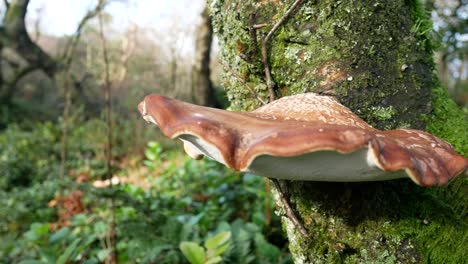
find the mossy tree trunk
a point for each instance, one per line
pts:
(376, 58)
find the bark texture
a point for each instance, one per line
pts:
(376, 58)
(14, 35)
(202, 87)
(15, 38)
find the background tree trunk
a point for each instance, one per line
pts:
(376, 58)
(14, 35)
(202, 87)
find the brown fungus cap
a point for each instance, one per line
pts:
(305, 137)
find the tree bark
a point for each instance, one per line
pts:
(202, 87)
(14, 35)
(173, 69)
(376, 58)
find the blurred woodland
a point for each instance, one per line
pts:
(83, 179)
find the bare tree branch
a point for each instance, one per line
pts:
(67, 83)
(73, 42)
(288, 209)
(270, 83)
(37, 24)
(112, 243)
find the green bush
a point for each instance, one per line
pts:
(183, 200)
(27, 157)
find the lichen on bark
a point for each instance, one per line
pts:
(375, 57)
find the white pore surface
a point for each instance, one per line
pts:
(204, 147)
(327, 166)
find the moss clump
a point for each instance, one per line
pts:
(232, 26)
(383, 113)
(383, 222)
(445, 238)
(447, 120)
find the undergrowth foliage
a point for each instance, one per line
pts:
(176, 201)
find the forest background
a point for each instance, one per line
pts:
(84, 180)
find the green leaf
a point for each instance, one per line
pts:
(154, 144)
(91, 261)
(86, 243)
(259, 218)
(59, 235)
(218, 240)
(151, 155)
(193, 252)
(80, 219)
(195, 219)
(68, 251)
(149, 164)
(36, 231)
(220, 250)
(31, 261)
(102, 254)
(265, 249)
(214, 260)
(100, 229)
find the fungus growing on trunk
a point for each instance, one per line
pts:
(305, 137)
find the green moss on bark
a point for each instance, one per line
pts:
(357, 51)
(447, 120)
(376, 58)
(393, 222)
(371, 56)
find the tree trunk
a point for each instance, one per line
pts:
(202, 88)
(14, 35)
(376, 58)
(173, 70)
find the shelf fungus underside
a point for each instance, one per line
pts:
(305, 137)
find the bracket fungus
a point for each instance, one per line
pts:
(305, 137)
